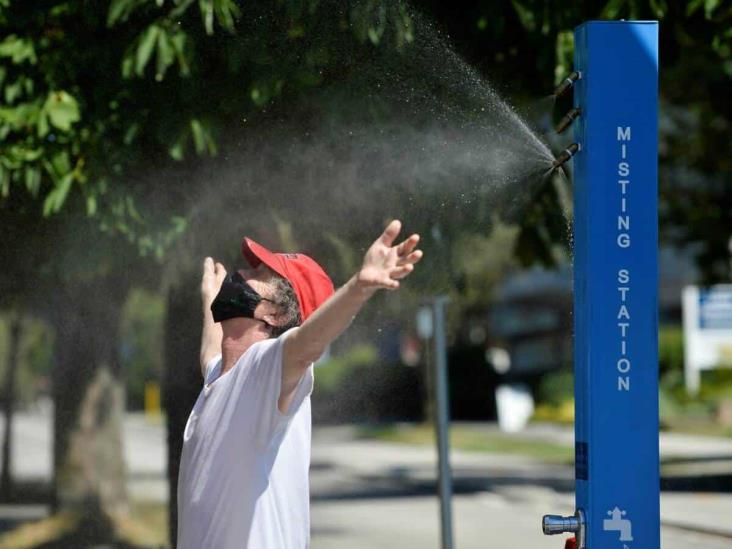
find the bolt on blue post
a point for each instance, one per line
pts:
(616, 283)
(615, 287)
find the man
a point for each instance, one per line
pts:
(243, 478)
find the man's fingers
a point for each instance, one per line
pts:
(408, 245)
(208, 264)
(392, 285)
(412, 258)
(401, 272)
(220, 269)
(391, 232)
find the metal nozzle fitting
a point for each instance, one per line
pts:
(566, 154)
(567, 83)
(557, 524)
(567, 120)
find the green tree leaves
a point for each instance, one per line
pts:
(144, 48)
(25, 156)
(198, 132)
(372, 20)
(564, 55)
(81, 110)
(18, 50)
(226, 12)
(60, 110)
(121, 10)
(167, 44)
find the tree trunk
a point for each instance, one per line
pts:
(89, 469)
(6, 480)
(182, 379)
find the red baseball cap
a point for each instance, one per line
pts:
(312, 286)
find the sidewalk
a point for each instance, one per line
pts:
(357, 484)
(671, 445)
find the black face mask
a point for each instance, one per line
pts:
(236, 299)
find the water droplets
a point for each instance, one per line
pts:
(424, 136)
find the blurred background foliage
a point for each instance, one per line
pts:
(35, 358)
(142, 339)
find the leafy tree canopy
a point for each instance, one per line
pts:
(92, 95)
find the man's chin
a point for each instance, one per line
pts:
(241, 326)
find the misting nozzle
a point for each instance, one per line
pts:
(567, 120)
(567, 83)
(566, 154)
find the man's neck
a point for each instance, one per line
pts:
(231, 352)
(239, 335)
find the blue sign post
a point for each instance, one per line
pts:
(615, 286)
(615, 283)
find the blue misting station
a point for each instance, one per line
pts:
(615, 122)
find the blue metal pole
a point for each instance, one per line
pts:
(615, 283)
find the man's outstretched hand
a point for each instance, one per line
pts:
(386, 263)
(212, 334)
(213, 277)
(383, 266)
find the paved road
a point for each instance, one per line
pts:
(481, 521)
(368, 494)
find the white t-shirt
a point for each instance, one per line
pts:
(243, 480)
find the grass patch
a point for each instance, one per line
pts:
(472, 438)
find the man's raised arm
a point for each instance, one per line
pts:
(212, 333)
(383, 266)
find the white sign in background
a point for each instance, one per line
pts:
(707, 331)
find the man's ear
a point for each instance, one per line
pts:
(273, 315)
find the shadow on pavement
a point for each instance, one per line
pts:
(401, 481)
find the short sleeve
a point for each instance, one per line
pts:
(262, 390)
(210, 365)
